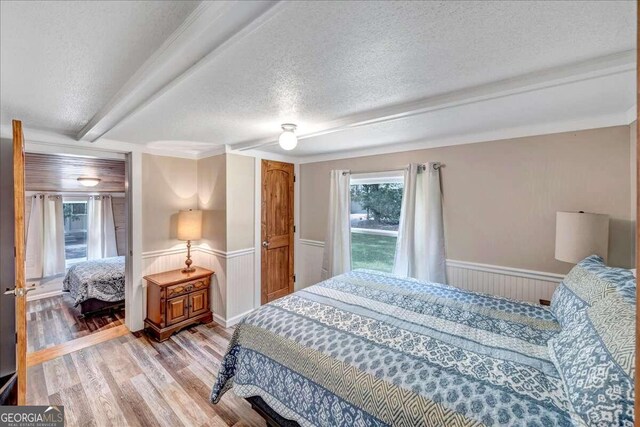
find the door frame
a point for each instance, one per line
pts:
(258, 157)
(19, 259)
(134, 291)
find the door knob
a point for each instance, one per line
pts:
(19, 292)
(265, 244)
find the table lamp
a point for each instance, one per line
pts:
(189, 228)
(580, 234)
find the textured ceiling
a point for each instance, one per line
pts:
(313, 63)
(531, 112)
(61, 61)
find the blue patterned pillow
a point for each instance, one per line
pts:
(587, 283)
(595, 357)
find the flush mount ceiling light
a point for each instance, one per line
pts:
(88, 181)
(288, 139)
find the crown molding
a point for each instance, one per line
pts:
(49, 142)
(223, 149)
(632, 114)
(266, 155)
(209, 30)
(585, 70)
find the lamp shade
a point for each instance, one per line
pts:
(580, 234)
(190, 225)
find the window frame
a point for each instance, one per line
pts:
(368, 178)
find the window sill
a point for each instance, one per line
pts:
(374, 232)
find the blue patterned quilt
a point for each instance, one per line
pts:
(371, 349)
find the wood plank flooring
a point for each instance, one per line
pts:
(135, 381)
(52, 321)
(49, 353)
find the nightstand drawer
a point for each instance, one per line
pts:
(185, 288)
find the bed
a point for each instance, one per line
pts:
(369, 348)
(97, 284)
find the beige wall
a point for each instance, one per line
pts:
(169, 184)
(240, 202)
(221, 186)
(500, 197)
(212, 193)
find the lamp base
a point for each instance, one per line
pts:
(188, 262)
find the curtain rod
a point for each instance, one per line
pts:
(421, 167)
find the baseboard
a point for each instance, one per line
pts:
(227, 323)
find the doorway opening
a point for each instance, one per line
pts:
(76, 245)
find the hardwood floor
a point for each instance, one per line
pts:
(52, 321)
(49, 353)
(135, 381)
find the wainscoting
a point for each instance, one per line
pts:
(523, 285)
(519, 284)
(232, 286)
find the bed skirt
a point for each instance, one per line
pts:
(92, 305)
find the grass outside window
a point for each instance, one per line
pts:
(373, 252)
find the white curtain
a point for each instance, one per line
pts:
(337, 243)
(420, 251)
(101, 231)
(35, 238)
(53, 241)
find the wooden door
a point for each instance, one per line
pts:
(198, 302)
(9, 350)
(177, 309)
(277, 230)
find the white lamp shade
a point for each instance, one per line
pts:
(288, 140)
(190, 225)
(580, 234)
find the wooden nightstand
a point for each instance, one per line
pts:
(176, 300)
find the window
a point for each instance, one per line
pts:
(75, 230)
(376, 201)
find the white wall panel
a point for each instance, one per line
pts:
(519, 284)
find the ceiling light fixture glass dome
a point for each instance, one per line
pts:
(288, 139)
(88, 181)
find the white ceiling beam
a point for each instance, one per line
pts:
(545, 128)
(210, 28)
(597, 67)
